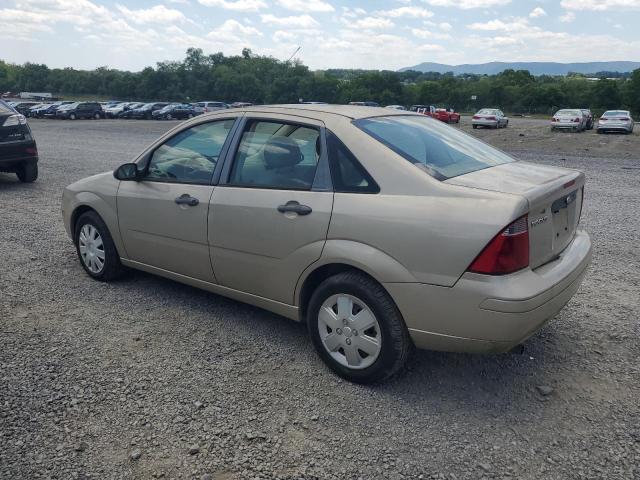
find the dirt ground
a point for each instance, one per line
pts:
(147, 378)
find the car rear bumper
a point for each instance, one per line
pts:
(566, 125)
(485, 314)
(484, 123)
(615, 126)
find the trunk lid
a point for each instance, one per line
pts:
(555, 202)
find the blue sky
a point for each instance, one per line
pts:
(132, 34)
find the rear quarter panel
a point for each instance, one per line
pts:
(431, 229)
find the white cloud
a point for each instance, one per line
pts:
(156, 14)
(353, 12)
(538, 12)
(236, 5)
(411, 12)
(600, 5)
(306, 5)
(427, 34)
(467, 4)
(283, 37)
(300, 21)
(445, 26)
(233, 28)
(371, 23)
(498, 25)
(568, 17)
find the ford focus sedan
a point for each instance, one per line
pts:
(381, 230)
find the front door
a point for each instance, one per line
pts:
(163, 217)
(268, 220)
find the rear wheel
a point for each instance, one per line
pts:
(96, 116)
(96, 250)
(357, 329)
(72, 116)
(28, 172)
(475, 126)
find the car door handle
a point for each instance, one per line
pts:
(293, 206)
(186, 199)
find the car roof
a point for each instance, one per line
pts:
(319, 111)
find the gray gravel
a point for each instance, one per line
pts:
(147, 378)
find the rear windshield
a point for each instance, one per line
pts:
(488, 111)
(615, 113)
(444, 152)
(569, 112)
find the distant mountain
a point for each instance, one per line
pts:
(535, 68)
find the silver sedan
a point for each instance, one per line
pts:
(616, 121)
(489, 118)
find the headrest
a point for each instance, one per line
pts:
(281, 152)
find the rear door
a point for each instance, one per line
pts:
(270, 213)
(163, 217)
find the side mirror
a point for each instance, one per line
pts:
(127, 171)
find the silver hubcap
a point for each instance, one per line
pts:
(91, 248)
(349, 331)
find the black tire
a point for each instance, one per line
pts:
(112, 268)
(599, 131)
(28, 172)
(97, 116)
(72, 116)
(396, 344)
(475, 126)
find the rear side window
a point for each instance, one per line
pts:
(347, 174)
(441, 151)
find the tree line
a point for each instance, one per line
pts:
(264, 80)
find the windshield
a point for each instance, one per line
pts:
(442, 151)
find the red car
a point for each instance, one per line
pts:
(447, 115)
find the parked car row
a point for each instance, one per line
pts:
(116, 109)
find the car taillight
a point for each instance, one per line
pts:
(554, 119)
(31, 151)
(602, 119)
(13, 120)
(624, 119)
(491, 118)
(576, 119)
(475, 117)
(507, 252)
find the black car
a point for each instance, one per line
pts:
(18, 150)
(146, 111)
(24, 107)
(81, 110)
(175, 111)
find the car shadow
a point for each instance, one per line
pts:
(492, 382)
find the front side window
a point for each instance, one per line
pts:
(191, 155)
(276, 155)
(443, 152)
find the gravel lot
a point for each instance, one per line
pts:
(147, 378)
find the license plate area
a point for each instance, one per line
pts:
(563, 212)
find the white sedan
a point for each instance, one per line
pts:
(616, 120)
(490, 118)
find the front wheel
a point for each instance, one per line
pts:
(72, 116)
(357, 329)
(96, 250)
(97, 116)
(28, 173)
